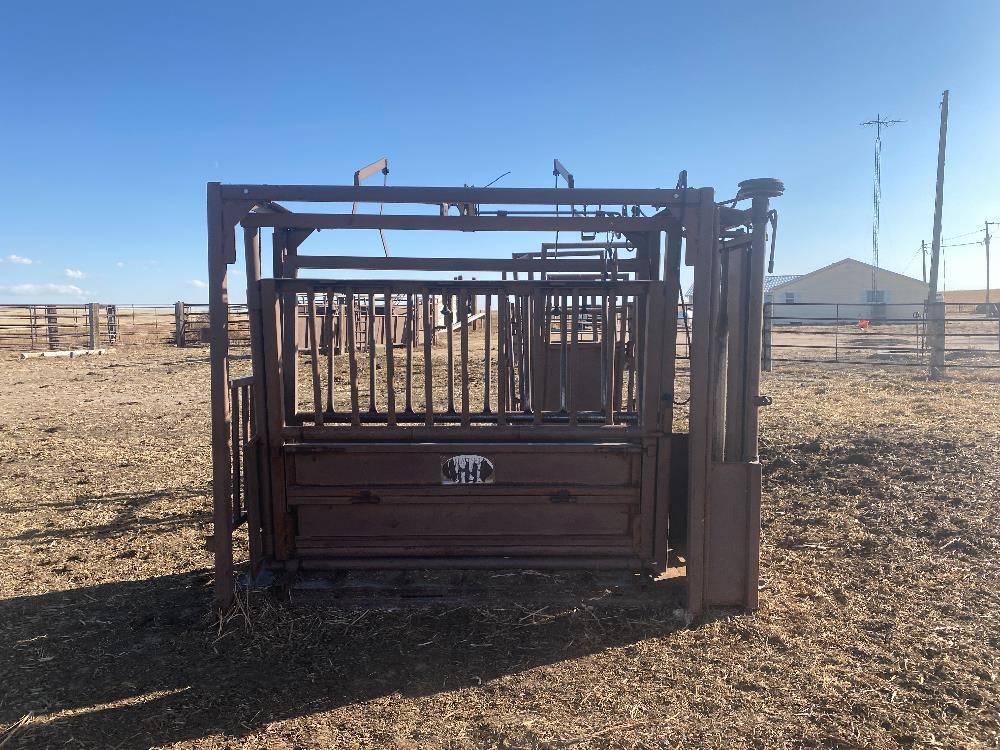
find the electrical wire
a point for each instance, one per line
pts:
(957, 236)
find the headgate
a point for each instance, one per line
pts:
(523, 419)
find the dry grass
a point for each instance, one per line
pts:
(878, 626)
(970, 296)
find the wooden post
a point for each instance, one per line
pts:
(94, 325)
(935, 310)
(180, 320)
(766, 360)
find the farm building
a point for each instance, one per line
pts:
(843, 291)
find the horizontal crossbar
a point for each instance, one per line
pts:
(458, 223)
(460, 195)
(525, 265)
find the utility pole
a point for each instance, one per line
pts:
(935, 309)
(923, 254)
(879, 123)
(986, 241)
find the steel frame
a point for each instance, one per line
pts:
(723, 497)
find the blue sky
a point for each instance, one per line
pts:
(117, 114)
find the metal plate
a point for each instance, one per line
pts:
(467, 468)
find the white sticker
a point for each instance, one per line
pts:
(467, 469)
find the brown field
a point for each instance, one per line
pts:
(879, 625)
(971, 295)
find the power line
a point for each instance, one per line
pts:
(966, 234)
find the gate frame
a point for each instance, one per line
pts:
(723, 536)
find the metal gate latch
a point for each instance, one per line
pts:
(764, 401)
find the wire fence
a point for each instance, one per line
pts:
(891, 335)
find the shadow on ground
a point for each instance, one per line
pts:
(141, 663)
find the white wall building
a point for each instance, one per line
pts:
(843, 290)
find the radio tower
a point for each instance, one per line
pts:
(879, 122)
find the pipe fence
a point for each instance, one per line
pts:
(32, 328)
(946, 335)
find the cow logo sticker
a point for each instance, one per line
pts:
(467, 469)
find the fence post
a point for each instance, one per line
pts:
(94, 325)
(180, 314)
(936, 336)
(52, 324)
(766, 348)
(836, 334)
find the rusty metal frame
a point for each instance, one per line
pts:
(724, 484)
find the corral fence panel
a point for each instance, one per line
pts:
(894, 335)
(71, 327)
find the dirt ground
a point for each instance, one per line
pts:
(879, 625)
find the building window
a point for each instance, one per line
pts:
(876, 296)
(791, 298)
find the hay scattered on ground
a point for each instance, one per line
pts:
(878, 627)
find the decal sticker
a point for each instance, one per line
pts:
(467, 469)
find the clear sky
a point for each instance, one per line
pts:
(115, 115)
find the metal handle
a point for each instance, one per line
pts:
(366, 497)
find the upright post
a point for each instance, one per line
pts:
(218, 309)
(986, 242)
(935, 309)
(179, 323)
(836, 334)
(52, 325)
(766, 346)
(93, 325)
(923, 255)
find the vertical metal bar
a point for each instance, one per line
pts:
(218, 296)
(449, 317)
(289, 334)
(610, 306)
(572, 358)
(390, 384)
(538, 352)
(372, 408)
(836, 334)
(630, 321)
(428, 364)
(259, 497)
(352, 358)
(272, 419)
(234, 401)
(563, 353)
(766, 356)
(330, 363)
(642, 315)
(525, 353)
(465, 303)
(317, 384)
(487, 357)
(620, 352)
(409, 331)
(736, 280)
(503, 345)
